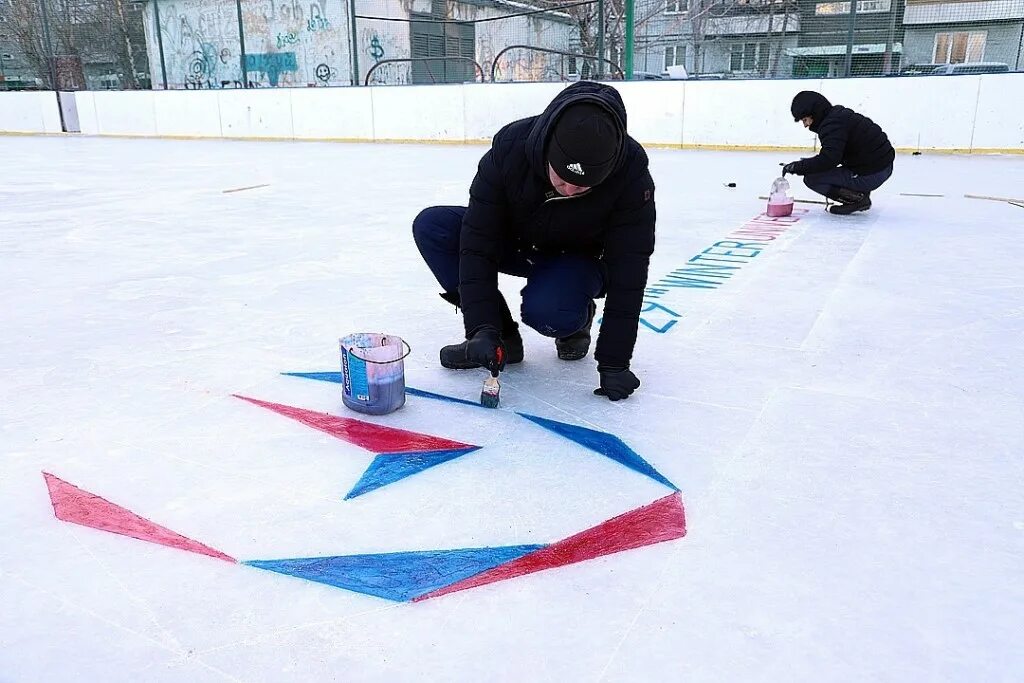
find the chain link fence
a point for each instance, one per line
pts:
(72, 45)
(711, 39)
(215, 44)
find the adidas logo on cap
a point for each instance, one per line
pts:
(576, 168)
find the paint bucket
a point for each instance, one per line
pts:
(779, 201)
(373, 372)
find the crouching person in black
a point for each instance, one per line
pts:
(565, 200)
(855, 158)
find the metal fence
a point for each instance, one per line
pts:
(213, 44)
(56, 44)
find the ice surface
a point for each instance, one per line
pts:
(844, 417)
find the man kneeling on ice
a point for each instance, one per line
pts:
(855, 156)
(565, 200)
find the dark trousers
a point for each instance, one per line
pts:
(559, 289)
(828, 182)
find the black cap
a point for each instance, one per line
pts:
(584, 144)
(810, 103)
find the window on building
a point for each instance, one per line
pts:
(675, 55)
(959, 47)
(573, 69)
(109, 82)
(863, 7)
(748, 57)
(675, 6)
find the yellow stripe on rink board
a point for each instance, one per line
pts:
(485, 141)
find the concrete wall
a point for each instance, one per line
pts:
(978, 113)
(390, 40)
(290, 43)
(307, 42)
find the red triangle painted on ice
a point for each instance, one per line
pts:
(662, 520)
(72, 504)
(372, 437)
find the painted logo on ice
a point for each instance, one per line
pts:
(421, 574)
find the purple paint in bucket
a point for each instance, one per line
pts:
(373, 372)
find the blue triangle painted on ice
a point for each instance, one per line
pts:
(387, 468)
(396, 576)
(322, 376)
(441, 397)
(607, 445)
(412, 391)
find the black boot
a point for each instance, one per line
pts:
(850, 201)
(576, 345)
(453, 356)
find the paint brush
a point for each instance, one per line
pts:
(490, 395)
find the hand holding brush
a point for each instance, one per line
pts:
(485, 348)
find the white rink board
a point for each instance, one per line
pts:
(999, 123)
(744, 113)
(933, 113)
(29, 112)
(334, 113)
(189, 114)
(125, 113)
(654, 114)
(263, 114)
(979, 112)
(490, 106)
(419, 112)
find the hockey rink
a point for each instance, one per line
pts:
(820, 478)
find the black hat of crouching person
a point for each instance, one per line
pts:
(584, 144)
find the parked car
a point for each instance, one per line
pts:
(648, 76)
(971, 68)
(675, 73)
(919, 69)
(710, 77)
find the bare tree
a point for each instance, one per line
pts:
(126, 51)
(706, 20)
(25, 19)
(59, 37)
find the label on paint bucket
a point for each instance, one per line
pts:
(356, 382)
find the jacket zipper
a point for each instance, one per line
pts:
(561, 198)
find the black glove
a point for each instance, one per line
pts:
(486, 349)
(790, 168)
(616, 383)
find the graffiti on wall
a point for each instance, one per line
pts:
(325, 74)
(311, 36)
(200, 44)
(376, 49)
(286, 39)
(287, 43)
(315, 24)
(270, 66)
(379, 41)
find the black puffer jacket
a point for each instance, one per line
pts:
(847, 138)
(512, 207)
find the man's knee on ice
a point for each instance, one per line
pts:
(545, 316)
